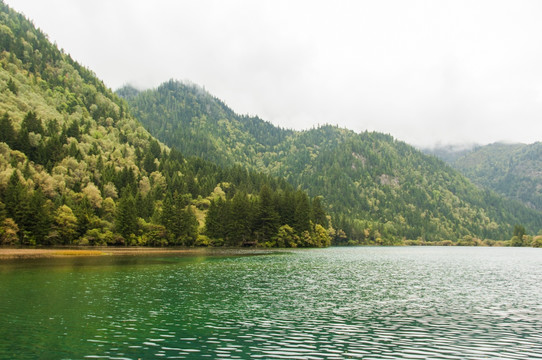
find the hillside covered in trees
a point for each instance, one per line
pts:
(512, 170)
(378, 190)
(76, 168)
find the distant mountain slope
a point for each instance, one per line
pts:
(513, 170)
(236, 139)
(379, 189)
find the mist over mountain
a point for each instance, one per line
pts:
(449, 153)
(394, 67)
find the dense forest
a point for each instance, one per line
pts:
(378, 190)
(512, 170)
(77, 169)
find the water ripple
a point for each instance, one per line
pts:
(356, 303)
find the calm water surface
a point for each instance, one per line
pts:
(337, 303)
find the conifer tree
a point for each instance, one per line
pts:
(126, 220)
(23, 142)
(168, 218)
(148, 163)
(73, 130)
(154, 149)
(7, 132)
(214, 227)
(302, 212)
(267, 218)
(239, 227)
(318, 215)
(31, 123)
(17, 202)
(287, 207)
(84, 213)
(12, 87)
(2, 211)
(40, 216)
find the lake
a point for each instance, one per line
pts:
(336, 303)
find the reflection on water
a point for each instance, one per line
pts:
(339, 303)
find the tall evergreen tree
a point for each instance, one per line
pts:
(239, 225)
(17, 203)
(318, 215)
(3, 212)
(267, 218)
(302, 212)
(7, 132)
(40, 215)
(148, 163)
(214, 221)
(169, 218)
(84, 213)
(12, 86)
(287, 207)
(126, 219)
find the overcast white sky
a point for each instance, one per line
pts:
(425, 72)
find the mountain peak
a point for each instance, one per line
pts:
(377, 187)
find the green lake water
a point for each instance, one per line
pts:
(336, 303)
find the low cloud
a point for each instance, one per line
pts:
(426, 72)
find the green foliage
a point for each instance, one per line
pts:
(9, 232)
(7, 133)
(242, 220)
(512, 170)
(12, 87)
(184, 115)
(179, 221)
(378, 190)
(286, 237)
(517, 241)
(302, 213)
(69, 148)
(239, 227)
(267, 219)
(519, 231)
(126, 219)
(318, 215)
(65, 225)
(321, 237)
(519, 237)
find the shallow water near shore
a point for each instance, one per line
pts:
(336, 303)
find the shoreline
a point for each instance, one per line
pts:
(40, 253)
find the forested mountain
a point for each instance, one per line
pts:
(378, 189)
(76, 168)
(196, 123)
(513, 170)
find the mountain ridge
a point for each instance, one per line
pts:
(513, 170)
(377, 187)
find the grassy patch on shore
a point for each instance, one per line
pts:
(78, 253)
